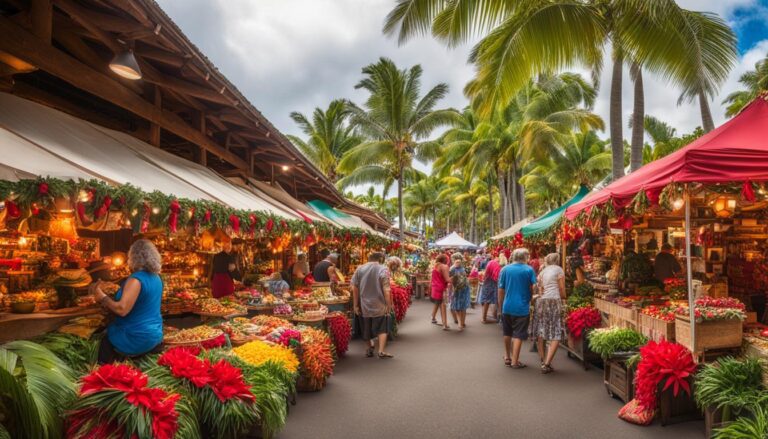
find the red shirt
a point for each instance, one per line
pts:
(492, 270)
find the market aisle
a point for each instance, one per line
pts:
(454, 385)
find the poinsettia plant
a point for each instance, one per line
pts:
(581, 320)
(666, 363)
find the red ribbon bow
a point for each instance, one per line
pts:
(173, 217)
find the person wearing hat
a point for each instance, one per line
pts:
(224, 271)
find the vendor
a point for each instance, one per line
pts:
(299, 270)
(276, 285)
(665, 265)
(224, 271)
(325, 270)
(138, 327)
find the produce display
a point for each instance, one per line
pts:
(222, 307)
(581, 320)
(256, 353)
(311, 312)
(282, 310)
(287, 337)
(707, 308)
(676, 288)
(194, 335)
(606, 342)
(666, 313)
(340, 330)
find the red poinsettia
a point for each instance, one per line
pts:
(217, 342)
(229, 383)
(582, 319)
(663, 362)
(183, 363)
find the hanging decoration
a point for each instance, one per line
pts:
(173, 217)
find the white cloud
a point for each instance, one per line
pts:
(295, 55)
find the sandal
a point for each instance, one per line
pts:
(446, 328)
(434, 321)
(518, 365)
(369, 352)
(384, 355)
(546, 368)
(508, 362)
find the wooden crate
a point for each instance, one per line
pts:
(681, 408)
(618, 316)
(713, 334)
(655, 329)
(619, 379)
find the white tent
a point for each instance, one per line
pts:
(454, 241)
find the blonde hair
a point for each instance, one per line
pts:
(552, 259)
(143, 256)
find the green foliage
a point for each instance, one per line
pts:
(575, 301)
(730, 385)
(754, 81)
(35, 386)
(584, 290)
(78, 353)
(609, 341)
(752, 427)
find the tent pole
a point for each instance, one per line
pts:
(689, 274)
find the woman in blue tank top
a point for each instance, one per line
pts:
(138, 326)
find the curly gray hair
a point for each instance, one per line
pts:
(143, 256)
(520, 255)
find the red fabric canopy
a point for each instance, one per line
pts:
(736, 151)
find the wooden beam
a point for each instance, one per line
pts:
(133, 10)
(159, 55)
(236, 118)
(154, 128)
(82, 17)
(185, 87)
(41, 18)
(21, 43)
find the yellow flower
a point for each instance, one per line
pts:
(257, 353)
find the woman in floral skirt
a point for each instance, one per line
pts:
(461, 294)
(547, 322)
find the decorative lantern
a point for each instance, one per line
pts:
(724, 206)
(63, 226)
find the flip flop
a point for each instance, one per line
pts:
(385, 355)
(545, 369)
(434, 322)
(446, 328)
(519, 365)
(508, 362)
(369, 352)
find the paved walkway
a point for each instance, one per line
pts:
(454, 385)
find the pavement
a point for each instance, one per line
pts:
(454, 385)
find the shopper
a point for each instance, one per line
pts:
(373, 302)
(665, 264)
(490, 287)
(224, 271)
(516, 283)
(299, 270)
(277, 286)
(137, 328)
(439, 287)
(460, 297)
(547, 321)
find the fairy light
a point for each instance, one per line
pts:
(83, 197)
(155, 210)
(134, 212)
(22, 241)
(677, 204)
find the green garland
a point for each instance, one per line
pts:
(202, 214)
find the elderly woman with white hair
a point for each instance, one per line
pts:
(547, 322)
(138, 326)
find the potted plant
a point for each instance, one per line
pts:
(617, 346)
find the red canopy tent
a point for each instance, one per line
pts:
(736, 151)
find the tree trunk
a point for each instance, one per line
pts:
(513, 195)
(706, 114)
(638, 115)
(510, 199)
(473, 223)
(490, 205)
(400, 204)
(617, 137)
(521, 193)
(503, 200)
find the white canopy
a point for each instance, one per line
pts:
(454, 241)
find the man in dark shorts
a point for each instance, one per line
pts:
(373, 302)
(516, 283)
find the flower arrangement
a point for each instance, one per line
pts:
(217, 342)
(666, 362)
(708, 308)
(282, 310)
(581, 320)
(317, 360)
(723, 302)
(400, 298)
(676, 288)
(224, 402)
(257, 353)
(340, 330)
(287, 337)
(116, 401)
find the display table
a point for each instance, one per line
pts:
(26, 326)
(617, 315)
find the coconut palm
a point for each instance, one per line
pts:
(529, 37)
(329, 136)
(397, 122)
(35, 387)
(420, 202)
(755, 81)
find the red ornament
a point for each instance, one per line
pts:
(104, 208)
(13, 209)
(207, 216)
(283, 224)
(173, 217)
(42, 189)
(80, 214)
(234, 221)
(270, 225)
(254, 220)
(747, 193)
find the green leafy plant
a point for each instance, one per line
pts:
(753, 427)
(584, 290)
(35, 386)
(574, 302)
(608, 341)
(730, 385)
(79, 354)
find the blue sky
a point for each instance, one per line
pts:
(750, 22)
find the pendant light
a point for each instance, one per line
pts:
(125, 65)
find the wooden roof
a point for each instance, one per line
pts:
(57, 52)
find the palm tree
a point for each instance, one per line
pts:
(755, 81)
(529, 37)
(397, 122)
(665, 140)
(420, 202)
(462, 191)
(329, 136)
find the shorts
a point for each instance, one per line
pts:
(515, 326)
(375, 326)
(436, 301)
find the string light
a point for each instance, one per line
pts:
(22, 241)
(155, 210)
(134, 212)
(83, 197)
(677, 204)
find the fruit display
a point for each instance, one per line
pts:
(677, 289)
(322, 293)
(708, 308)
(311, 312)
(288, 337)
(258, 352)
(240, 328)
(665, 313)
(194, 335)
(282, 310)
(222, 307)
(84, 326)
(72, 278)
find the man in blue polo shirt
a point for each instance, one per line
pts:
(516, 283)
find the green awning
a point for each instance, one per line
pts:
(545, 222)
(326, 210)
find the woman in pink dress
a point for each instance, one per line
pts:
(440, 283)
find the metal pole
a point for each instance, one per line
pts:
(689, 274)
